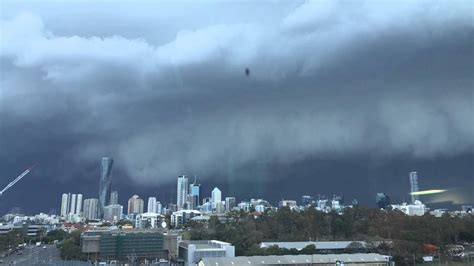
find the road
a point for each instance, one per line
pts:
(33, 255)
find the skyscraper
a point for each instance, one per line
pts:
(113, 197)
(413, 186)
(72, 207)
(90, 209)
(79, 204)
(104, 185)
(64, 204)
(182, 192)
(195, 191)
(135, 205)
(216, 195)
(151, 207)
(229, 203)
(113, 212)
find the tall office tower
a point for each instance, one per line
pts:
(216, 195)
(182, 191)
(113, 197)
(413, 186)
(135, 205)
(105, 183)
(64, 204)
(113, 213)
(191, 202)
(382, 200)
(229, 203)
(78, 204)
(151, 207)
(195, 191)
(90, 209)
(72, 207)
(159, 207)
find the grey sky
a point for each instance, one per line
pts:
(160, 86)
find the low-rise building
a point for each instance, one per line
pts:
(364, 259)
(416, 209)
(191, 252)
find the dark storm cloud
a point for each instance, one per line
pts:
(334, 79)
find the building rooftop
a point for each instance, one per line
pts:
(204, 244)
(296, 259)
(319, 244)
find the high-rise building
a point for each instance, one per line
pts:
(135, 205)
(190, 202)
(105, 184)
(72, 207)
(90, 209)
(382, 200)
(159, 207)
(182, 192)
(64, 205)
(229, 203)
(151, 207)
(216, 195)
(413, 186)
(78, 204)
(114, 212)
(113, 197)
(195, 191)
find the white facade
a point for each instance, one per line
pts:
(416, 209)
(64, 204)
(72, 208)
(151, 207)
(216, 195)
(159, 207)
(182, 192)
(193, 251)
(79, 204)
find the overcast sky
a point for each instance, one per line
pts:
(342, 96)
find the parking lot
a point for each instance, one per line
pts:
(30, 255)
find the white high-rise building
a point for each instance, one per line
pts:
(413, 186)
(182, 192)
(151, 207)
(79, 204)
(229, 203)
(90, 209)
(72, 208)
(64, 205)
(159, 207)
(216, 195)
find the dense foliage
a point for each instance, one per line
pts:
(70, 247)
(406, 234)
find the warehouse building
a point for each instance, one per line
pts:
(370, 259)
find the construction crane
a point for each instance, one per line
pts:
(27, 171)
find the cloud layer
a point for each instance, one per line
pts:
(327, 78)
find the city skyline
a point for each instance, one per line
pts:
(314, 97)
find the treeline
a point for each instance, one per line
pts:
(407, 234)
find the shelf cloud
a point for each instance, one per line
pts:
(326, 78)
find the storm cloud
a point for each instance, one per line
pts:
(330, 79)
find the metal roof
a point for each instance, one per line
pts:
(295, 259)
(319, 244)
